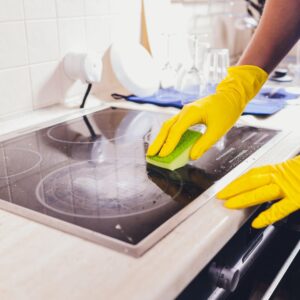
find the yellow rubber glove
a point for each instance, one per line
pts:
(267, 183)
(218, 112)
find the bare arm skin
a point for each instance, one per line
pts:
(277, 32)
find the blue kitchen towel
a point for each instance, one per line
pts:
(279, 94)
(268, 101)
(263, 107)
(262, 104)
(174, 98)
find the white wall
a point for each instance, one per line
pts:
(216, 20)
(35, 35)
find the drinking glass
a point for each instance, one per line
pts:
(203, 51)
(217, 64)
(169, 70)
(192, 82)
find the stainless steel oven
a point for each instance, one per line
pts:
(254, 264)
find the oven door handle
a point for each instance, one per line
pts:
(253, 251)
(227, 279)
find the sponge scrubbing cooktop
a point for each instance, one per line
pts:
(180, 155)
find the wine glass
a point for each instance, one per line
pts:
(169, 71)
(189, 82)
(192, 82)
(217, 64)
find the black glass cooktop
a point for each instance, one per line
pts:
(91, 172)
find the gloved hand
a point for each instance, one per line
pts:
(267, 183)
(218, 112)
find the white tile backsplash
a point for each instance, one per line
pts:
(97, 33)
(119, 6)
(15, 90)
(13, 49)
(96, 7)
(72, 35)
(35, 35)
(46, 84)
(11, 10)
(70, 8)
(125, 23)
(43, 44)
(39, 9)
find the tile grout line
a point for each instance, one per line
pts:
(85, 26)
(28, 58)
(10, 21)
(110, 20)
(28, 65)
(60, 53)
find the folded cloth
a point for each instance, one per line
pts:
(265, 103)
(278, 94)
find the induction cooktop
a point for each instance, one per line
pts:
(88, 177)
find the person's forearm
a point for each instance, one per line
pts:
(278, 31)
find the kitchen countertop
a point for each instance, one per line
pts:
(38, 262)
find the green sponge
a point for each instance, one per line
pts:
(180, 155)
